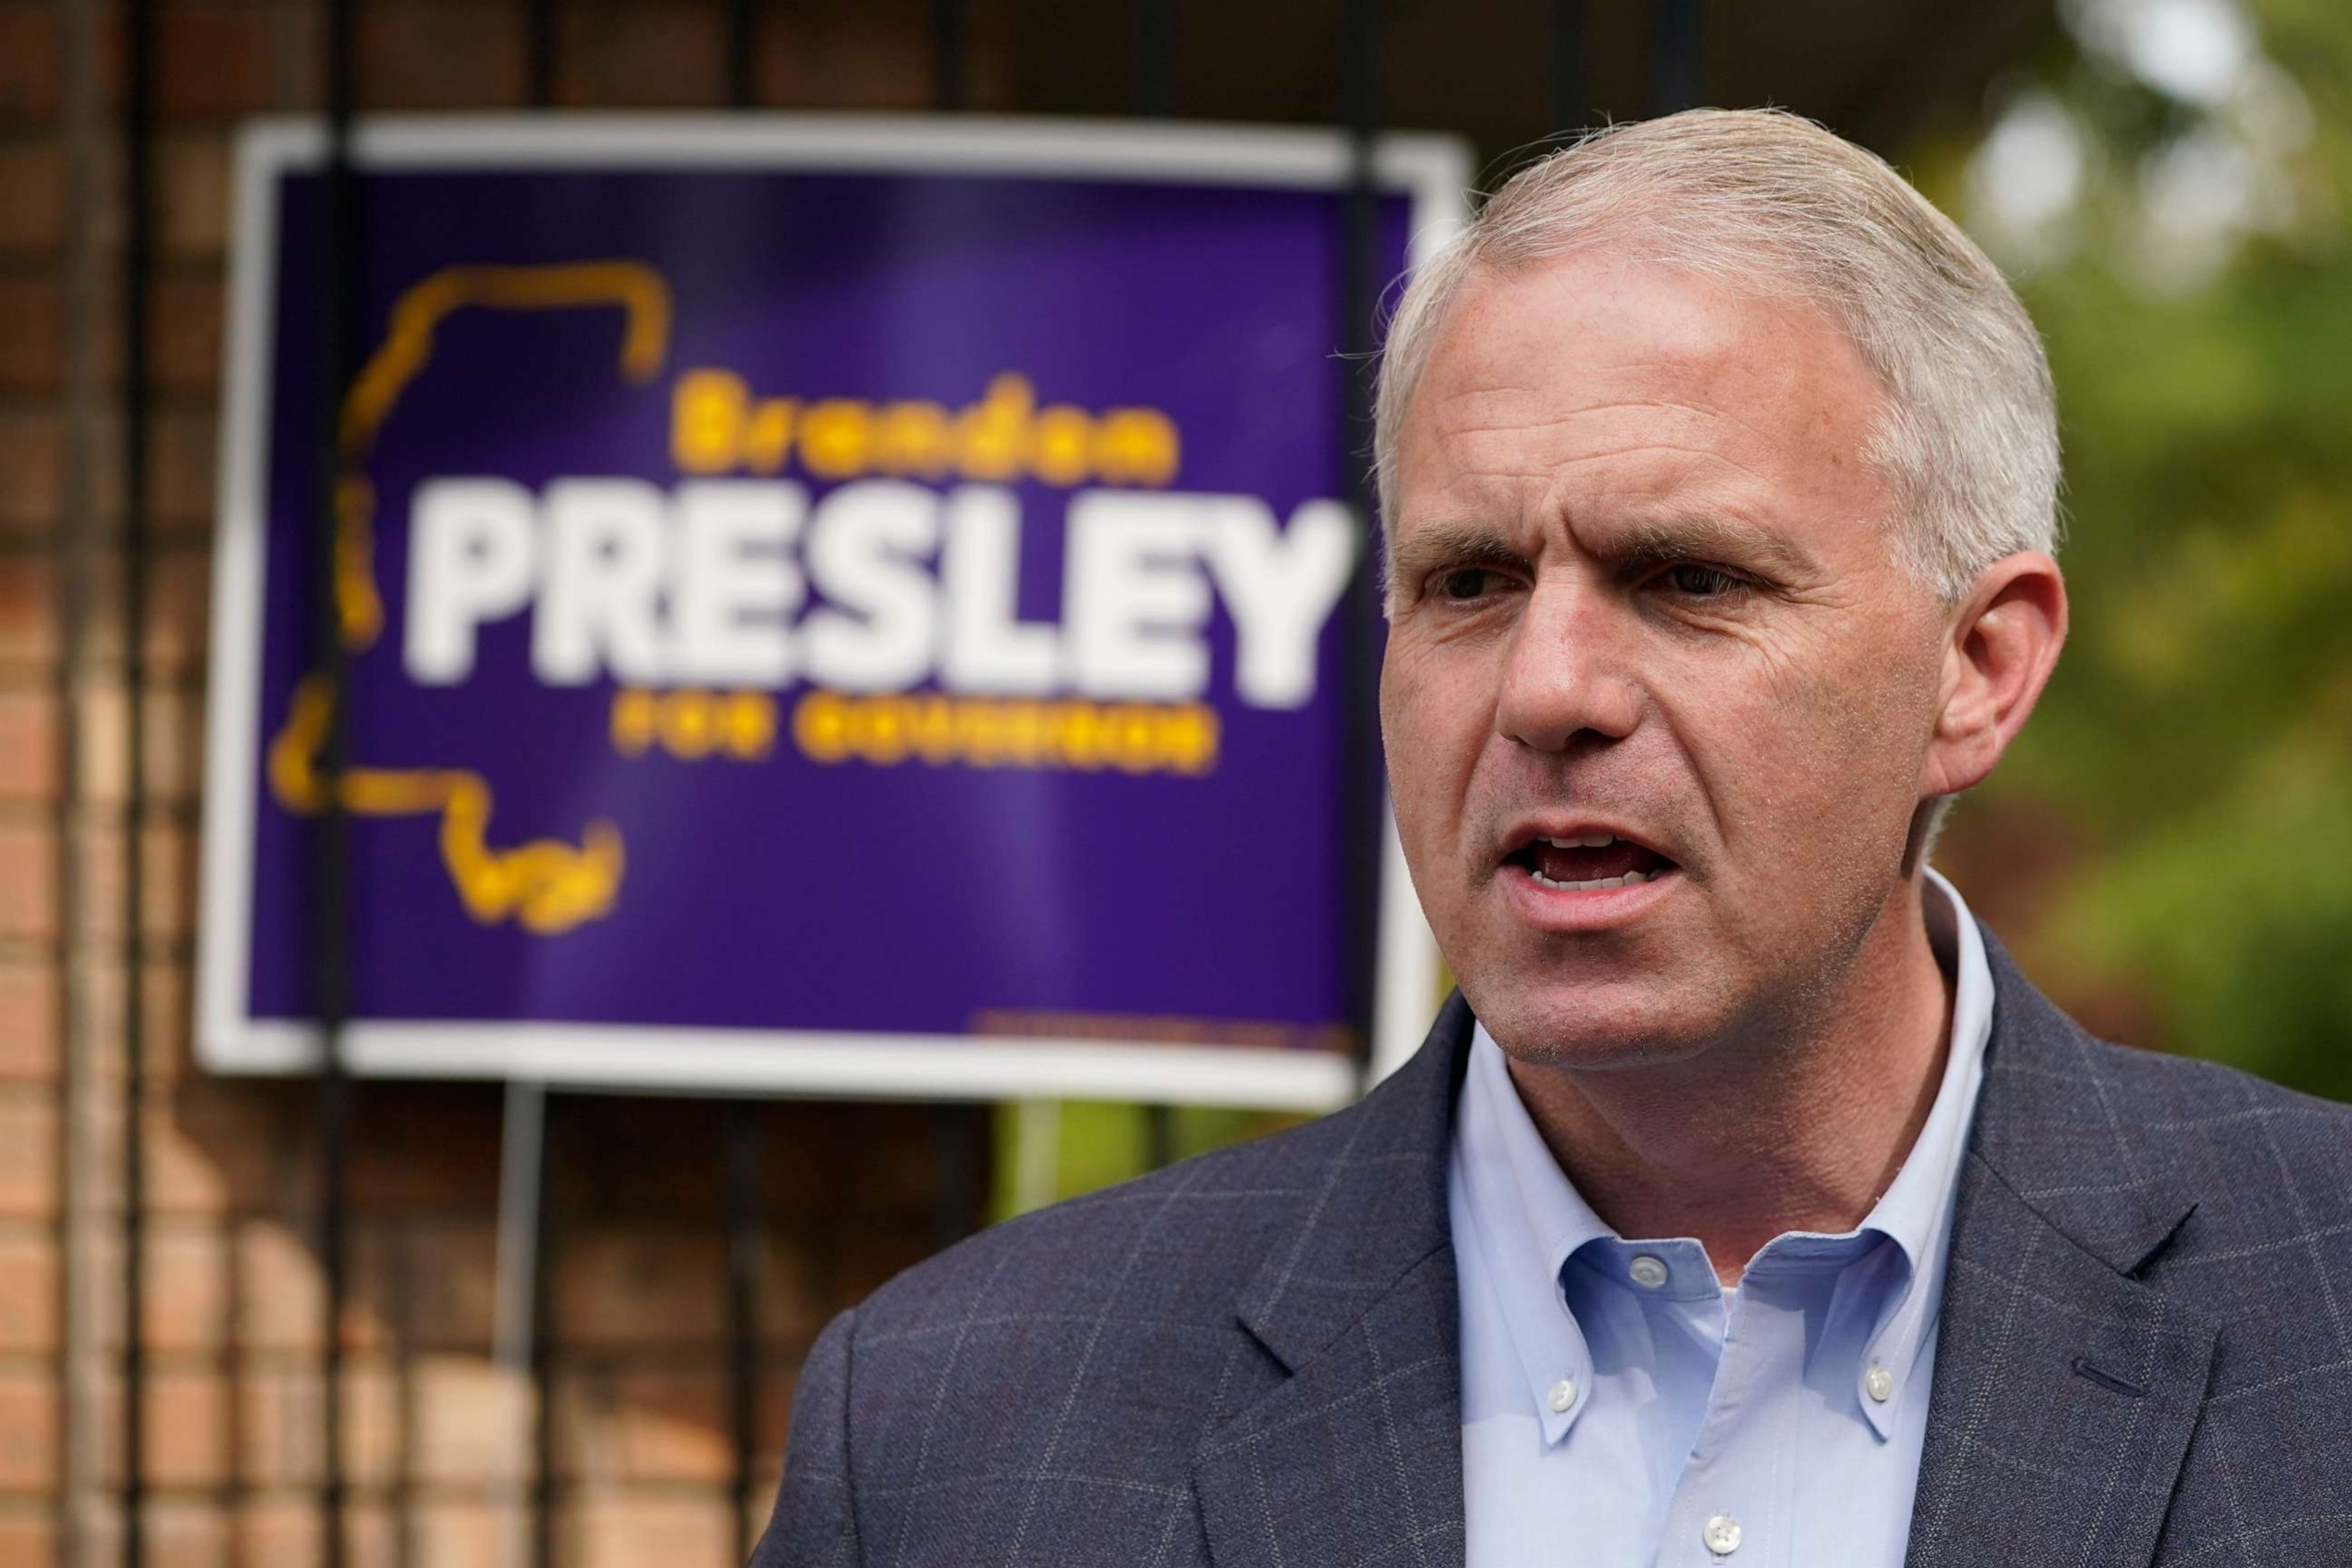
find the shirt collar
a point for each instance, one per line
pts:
(1530, 1217)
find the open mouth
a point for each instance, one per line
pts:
(1589, 863)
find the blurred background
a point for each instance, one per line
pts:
(2168, 850)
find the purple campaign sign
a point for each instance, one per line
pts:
(846, 606)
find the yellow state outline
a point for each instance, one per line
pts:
(548, 885)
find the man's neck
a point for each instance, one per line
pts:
(1800, 1129)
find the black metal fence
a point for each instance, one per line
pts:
(1672, 30)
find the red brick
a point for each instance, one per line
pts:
(452, 1285)
(167, 890)
(28, 1431)
(473, 1420)
(193, 185)
(28, 882)
(170, 722)
(643, 56)
(32, 219)
(859, 60)
(791, 1300)
(29, 1536)
(419, 54)
(459, 1123)
(32, 465)
(184, 342)
(28, 743)
(178, 589)
(28, 1021)
(772, 1427)
(28, 610)
(189, 1533)
(186, 1423)
(28, 1155)
(286, 1533)
(281, 1291)
(639, 1424)
(609, 1531)
(213, 61)
(641, 1285)
(183, 455)
(31, 67)
(32, 347)
(460, 1532)
(211, 1147)
(28, 1293)
(279, 1421)
(185, 1304)
(164, 999)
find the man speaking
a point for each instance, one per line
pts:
(1747, 1206)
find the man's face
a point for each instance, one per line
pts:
(1646, 619)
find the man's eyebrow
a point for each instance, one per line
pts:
(1429, 545)
(1705, 537)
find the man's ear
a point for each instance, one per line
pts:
(2003, 644)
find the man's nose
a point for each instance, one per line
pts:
(1567, 671)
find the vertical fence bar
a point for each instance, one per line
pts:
(1359, 64)
(743, 53)
(536, 1325)
(329, 979)
(542, 1350)
(1155, 99)
(746, 1245)
(952, 1125)
(139, 143)
(1155, 58)
(744, 1212)
(1572, 92)
(77, 1085)
(540, 49)
(949, 52)
(1673, 45)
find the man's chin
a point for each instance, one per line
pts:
(1594, 1024)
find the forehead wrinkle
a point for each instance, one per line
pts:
(1475, 434)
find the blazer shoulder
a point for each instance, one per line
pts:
(2262, 1160)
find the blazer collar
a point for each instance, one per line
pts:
(1357, 1455)
(2067, 1387)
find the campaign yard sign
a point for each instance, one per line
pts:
(826, 605)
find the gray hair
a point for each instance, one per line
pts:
(1768, 203)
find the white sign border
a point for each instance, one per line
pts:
(1434, 171)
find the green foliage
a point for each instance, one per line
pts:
(2196, 745)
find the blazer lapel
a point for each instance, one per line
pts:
(1357, 1453)
(2065, 1389)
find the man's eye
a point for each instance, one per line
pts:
(1464, 582)
(1701, 582)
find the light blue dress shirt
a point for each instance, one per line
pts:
(1618, 1406)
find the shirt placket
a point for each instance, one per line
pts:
(1730, 1507)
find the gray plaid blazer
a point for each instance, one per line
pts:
(2145, 1354)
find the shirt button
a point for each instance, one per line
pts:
(1648, 1272)
(1563, 1394)
(1721, 1534)
(1879, 1384)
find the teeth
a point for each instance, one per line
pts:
(1588, 841)
(1630, 879)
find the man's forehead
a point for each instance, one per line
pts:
(1605, 312)
(1657, 386)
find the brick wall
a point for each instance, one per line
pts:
(233, 1321)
